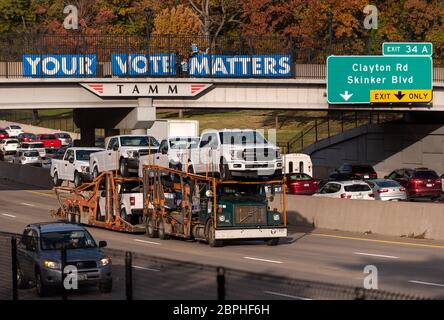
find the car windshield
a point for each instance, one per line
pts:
(242, 190)
(12, 142)
(138, 141)
(31, 153)
(366, 169)
(15, 127)
(387, 184)
(73, 239)
(130, 187)
(62, 135)
(83, 155)
(3, 131)
(184, 143)
(300, 176)
(426, 174)
(48, 137)
(34, 145)
(241, 137)
(357, 188)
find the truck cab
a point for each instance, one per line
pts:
(235, 153)
(122, 153)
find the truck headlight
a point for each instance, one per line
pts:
(132, 153)
(84, 168)
(222, 218)
(276, 217)
(104, 262)
(51, 264)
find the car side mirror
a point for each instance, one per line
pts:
(164, 151)
(115, 147)
(102, 244)
(30, 247)
(71, 160)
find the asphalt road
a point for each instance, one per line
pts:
(408, 266)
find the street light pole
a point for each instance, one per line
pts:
(330, 30)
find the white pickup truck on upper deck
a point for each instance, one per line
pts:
(122, 153)
(232, 153)
(74, 166)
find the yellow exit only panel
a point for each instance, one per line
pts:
(401, 96)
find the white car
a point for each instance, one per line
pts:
(34, 146)
(64, 138)
(9, 146)
(74, 166)
(171, 153)
(30, 157)
(232, 153)
(122, 153)
(355, 189)
(387, 190)
(14, 130)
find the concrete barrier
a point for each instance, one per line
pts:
(403, 219)
(29, 175)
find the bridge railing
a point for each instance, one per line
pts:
(308, 55)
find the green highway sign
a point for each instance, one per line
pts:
(407, 49)
(355, 79)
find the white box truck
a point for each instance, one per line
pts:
(163, 129)
(298, 163)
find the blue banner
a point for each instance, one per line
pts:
(143, 65)
(59, 65)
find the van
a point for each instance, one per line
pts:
(298, 163)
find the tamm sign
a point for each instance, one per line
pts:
(144, 89)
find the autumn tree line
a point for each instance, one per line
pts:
(306, 21)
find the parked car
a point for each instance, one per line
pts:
(34, 146)
(386, 189)
(122, 153)
(26, 137)
(64, 138)
(73, 167)
(242, 153)
(50, 141)
(3, 134)
(301, 183)
(9, 146)
(419, 182)
(31, 157)
(357, 189)
(364, 171)
(13, 130)
(39, 257)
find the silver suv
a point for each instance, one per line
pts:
(39, 257)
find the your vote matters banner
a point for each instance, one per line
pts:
(143, 65)
(59, 65)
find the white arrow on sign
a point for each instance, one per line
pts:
(346, 95)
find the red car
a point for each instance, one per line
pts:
(419, 182)
(26, 137)
(301, 183)
(3, 134)
(50, 141)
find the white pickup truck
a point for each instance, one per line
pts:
(122, 153)
(131, 202)
(230, 153)
(171, 152)
(74, 166)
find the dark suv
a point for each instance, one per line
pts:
(39, 255)
(364, 171)
(419, 182)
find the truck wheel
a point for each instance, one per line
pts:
(272, 241)
(151, 231)
(77, 180)
(161, 231)
(57, 182)
(123, 214)
(106, 286)
(190, 169)
(210, 235)
(123, 168)
(224, 171)
(41, 288)
(95, 173)
(22, 282)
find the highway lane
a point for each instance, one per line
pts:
(405, 265)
